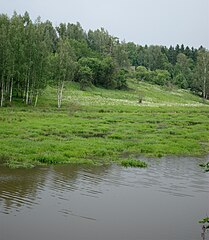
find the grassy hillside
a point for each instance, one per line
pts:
(153, 95)
(100, 126)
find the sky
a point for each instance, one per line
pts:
(151, 22)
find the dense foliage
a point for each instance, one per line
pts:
(36, 54)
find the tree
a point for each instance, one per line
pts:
(103, 71)
(171, 55)
(183, 69)
(6, 58)
(62, 30)
(154, 58)
(42, 46)
(100, 41)
(16, 36)
(142, 73)
(76, 32)
(131, 49)
(182, 48)
(120, 56)
(81, 49)
(84, 77)
(62, 67)
(161, 77)
(140, 51)
(202, 73)
(180, 80)
(120, 79)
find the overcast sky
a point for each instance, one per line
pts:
(158, 22)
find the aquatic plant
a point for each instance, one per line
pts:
(205, 226)
(205, 166)
(133, 163)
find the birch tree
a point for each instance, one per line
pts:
(42, 46)
(63, 67)
(202, 72)
(4, 52)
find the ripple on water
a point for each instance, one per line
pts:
(84, 197)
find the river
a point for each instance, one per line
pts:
(163, 202)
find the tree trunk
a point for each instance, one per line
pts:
(204, 81)
(11, 84)
(2, 90)
(59, 95)
(11, 89)
(36, 100)
(2, 93)
(27, 91)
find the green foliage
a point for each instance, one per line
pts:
(183, 68)
(161, 77)
(180, 81)
(120, 80)
(84, 76)
(100, 72)
(154, 58)
(142, 73)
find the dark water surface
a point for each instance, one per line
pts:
(162, 202)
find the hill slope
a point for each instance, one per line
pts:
(152, 95)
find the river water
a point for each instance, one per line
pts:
(163, 202)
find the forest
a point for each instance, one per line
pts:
(35, 54)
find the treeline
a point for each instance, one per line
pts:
(36, 54)
(180, 66)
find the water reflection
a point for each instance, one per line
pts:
(164, 201)
(20, 188)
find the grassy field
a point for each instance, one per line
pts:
(101, 126)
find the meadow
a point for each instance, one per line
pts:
(100, 126)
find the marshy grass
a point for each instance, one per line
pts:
(110, 128)
(133, 163)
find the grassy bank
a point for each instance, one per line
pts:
(102, 126)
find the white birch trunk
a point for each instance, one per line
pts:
(2, 93)
(59, 95)
(204, 81)
(11, 85)
(11, 89)
(36, 100)
(27, 91)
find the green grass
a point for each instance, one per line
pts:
(101, 126)
(133, 163)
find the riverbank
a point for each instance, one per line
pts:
(103, 126)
